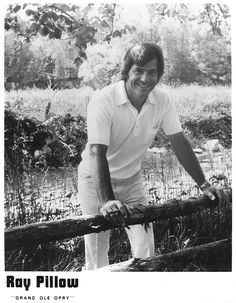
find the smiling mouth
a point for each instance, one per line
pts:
(144, 86)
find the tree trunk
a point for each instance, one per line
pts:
(210, 254)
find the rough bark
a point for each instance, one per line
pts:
(210, 253)
(81, 225)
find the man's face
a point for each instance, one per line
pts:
(142, 79)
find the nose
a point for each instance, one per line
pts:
(144, 77)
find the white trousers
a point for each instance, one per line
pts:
(131, 192)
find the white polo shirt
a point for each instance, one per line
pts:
(113, 121)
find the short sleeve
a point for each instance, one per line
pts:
(99, 120)
(170, 122)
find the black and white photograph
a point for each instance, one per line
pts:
(117, 152)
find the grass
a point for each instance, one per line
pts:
(33, 102)
(170, 235)
(44, 196)
(189, 99)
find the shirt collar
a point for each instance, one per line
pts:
(121, 94)
(122, 97)
(152, 97)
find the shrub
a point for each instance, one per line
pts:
(63, 137)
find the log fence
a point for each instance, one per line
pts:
(214, 252)
(50, 231)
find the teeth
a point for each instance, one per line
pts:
(144, 86)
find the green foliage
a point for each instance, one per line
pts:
(72, 131)
(17, 135)
(57, 143)
(191, 56)
(210, 128)
(23, 65)
(38, 62)
(104, 62)
(196, 43)
(64, 30)
(217, 16)
(213, 57)
(50, 20)
(176, 40)
(200, 129)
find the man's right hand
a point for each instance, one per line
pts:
(116, 212)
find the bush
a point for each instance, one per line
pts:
(210, 128)
(58, 142)
(201, 128)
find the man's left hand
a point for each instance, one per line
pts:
(212, 191)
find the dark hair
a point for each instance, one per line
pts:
(141, 54)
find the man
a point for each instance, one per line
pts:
(123, 120)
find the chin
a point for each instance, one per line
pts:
(145, 91)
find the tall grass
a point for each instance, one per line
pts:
(189, 99)
(196, 101)
(33, 102)
(170, 235)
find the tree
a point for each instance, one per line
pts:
(70, 28)
(213, 57)
(22, 65)
(196, 43)
(177, 47)
(104, 61)
(217, 16)
(51, 20)
(54, 21)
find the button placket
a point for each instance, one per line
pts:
(140, 119)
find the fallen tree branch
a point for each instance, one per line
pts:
(78, 226)
(208, 253)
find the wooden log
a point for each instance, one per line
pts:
(78, 226)
(210, 253)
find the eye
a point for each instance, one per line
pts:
(153, 73)
(138, 71)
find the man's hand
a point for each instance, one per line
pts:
(210, 191)
(116, 212)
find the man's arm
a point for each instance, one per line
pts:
(100, 172)
(187, 157)
(112, 209)
(189, 161)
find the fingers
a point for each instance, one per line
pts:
(221, 196)
(210, 195)
(219, 192)
(115, 217)
(116, 212)
(124, 210)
